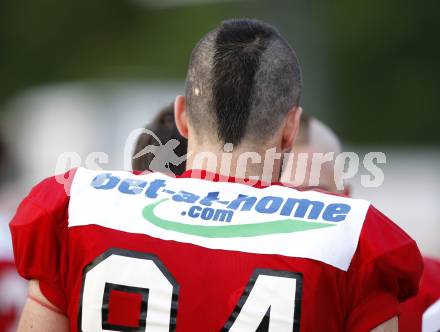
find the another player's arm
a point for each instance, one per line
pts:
(39, 315)
(39, 232)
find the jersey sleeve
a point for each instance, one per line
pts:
(385, 271)
(39, 237)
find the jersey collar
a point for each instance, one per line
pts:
(215, 177)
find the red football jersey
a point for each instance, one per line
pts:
(414, 311)
(124, 252)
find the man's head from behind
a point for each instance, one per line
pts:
(243, 87)
(164, 128)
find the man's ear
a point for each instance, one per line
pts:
(180, 115)
(291, 128)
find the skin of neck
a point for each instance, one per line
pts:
(250, 159)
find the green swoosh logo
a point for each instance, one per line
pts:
(230, 231)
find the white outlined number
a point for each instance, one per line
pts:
(271, 301)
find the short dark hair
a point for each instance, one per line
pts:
(243, 78)
(164, 126)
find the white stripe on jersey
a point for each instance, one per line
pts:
(323, 232)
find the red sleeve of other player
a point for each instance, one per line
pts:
(39, 237)
(385, 270)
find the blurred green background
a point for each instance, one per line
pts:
(371, 68)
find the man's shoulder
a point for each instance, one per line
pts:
(387, 253)
(381, 236)
(49, 197)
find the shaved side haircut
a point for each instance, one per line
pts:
(242, 80)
